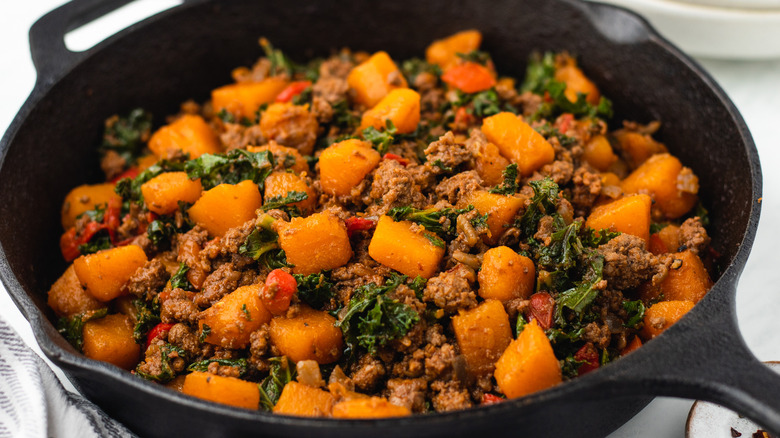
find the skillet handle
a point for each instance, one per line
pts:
(704, 357)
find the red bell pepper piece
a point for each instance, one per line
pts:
(395, 157)
(590, 356)
(131, 172)
(69, 245)
(542, 306)
(278, 291)
(565, 122)
(490, 399)
(469, 77)
(355, 224)
(462, 116)
(158, 330)
(292, 90)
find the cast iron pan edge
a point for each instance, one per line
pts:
(704, 371)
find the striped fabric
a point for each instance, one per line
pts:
(33, 402)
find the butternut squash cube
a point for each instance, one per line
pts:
(483, 333)
(374, 79)
(399, 246)
(506, 275)
(68, 297)
(105, 273)
(630, 215)
(518, 142)
(664, 241)
(576, 82)
(226, 206)
(490, 164)
(309, 335)
(163, 192)
(444, 52)
(687, 279)
(226, 390)
(315, 243)
(289, 157)
(373, 407)
(661, 316)
(304, 401)
(400, 106)
(86, 197)
(501, 211)
(244, 98)
(344, 164)
(637, 147)
(672, 186)
(528, 365)
(189, 134)
(282, 183)
(110, 339)
(598, 153)
(232, 319)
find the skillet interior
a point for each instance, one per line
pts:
(186, 52)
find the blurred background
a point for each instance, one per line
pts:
(736, 41)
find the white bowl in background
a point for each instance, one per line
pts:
(723, 29)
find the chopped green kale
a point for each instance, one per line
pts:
(127, 135)
(442, 222)
(168, 352)
(230, 168)
(543, 203)
(72, 327)
(282, 372)
(179, 279)
(381, 139)
(314, 289)
(509, 186)
(203, 365)
(262, 245)
(147, 315)
(282, 202)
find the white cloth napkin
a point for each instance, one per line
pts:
(33, 402)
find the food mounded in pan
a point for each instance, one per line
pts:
(358, 238)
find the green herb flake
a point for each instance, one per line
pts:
(205, 332)
(179, 279)
(247, 314)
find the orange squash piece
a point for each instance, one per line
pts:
(68, 297)
(490, 165)
(304, 401)
(483, 333)
(226, 390)
(661, 316)
(400, 106)
(373, 407)
(189, 134)
(630, 215)
(664, 178)
(284, 154)
(163, 192)
(105, 273)
(374, 79)
(226, 206)
(232, 319)
(506, 275)
(315, 243)
(282, 183)
(398, 246)
(664, 241)
(243, 99)
(528, 365)
(444, 52)
(518, 142)
(687, 279)
(110, 339)
(501, 211)
(598, 153)
(309, 335)
(469, 77)
(344, 164)
(634, 345)
(86, 197)
(637, 147)
(576, 82)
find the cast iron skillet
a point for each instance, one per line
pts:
(185, 52)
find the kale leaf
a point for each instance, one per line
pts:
(411, 68)
(373, 318)
(147, 316)
(509, 186)
(543, 203)
(203, 365)
(636, 312)
(230, 168)
(98, 242)
(582, 295)
(72, 327)
(477, 56)
(262, 245)
(441, 222)
(314, 289)
(381, 139)
(127, 135)
(283, 201)
(130, 188)
(179, 279)
(168, 352)
(282, 372)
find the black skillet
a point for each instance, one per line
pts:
(185, 52)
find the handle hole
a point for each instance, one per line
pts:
(87, 36)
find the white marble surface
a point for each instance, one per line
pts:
(753, 86)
